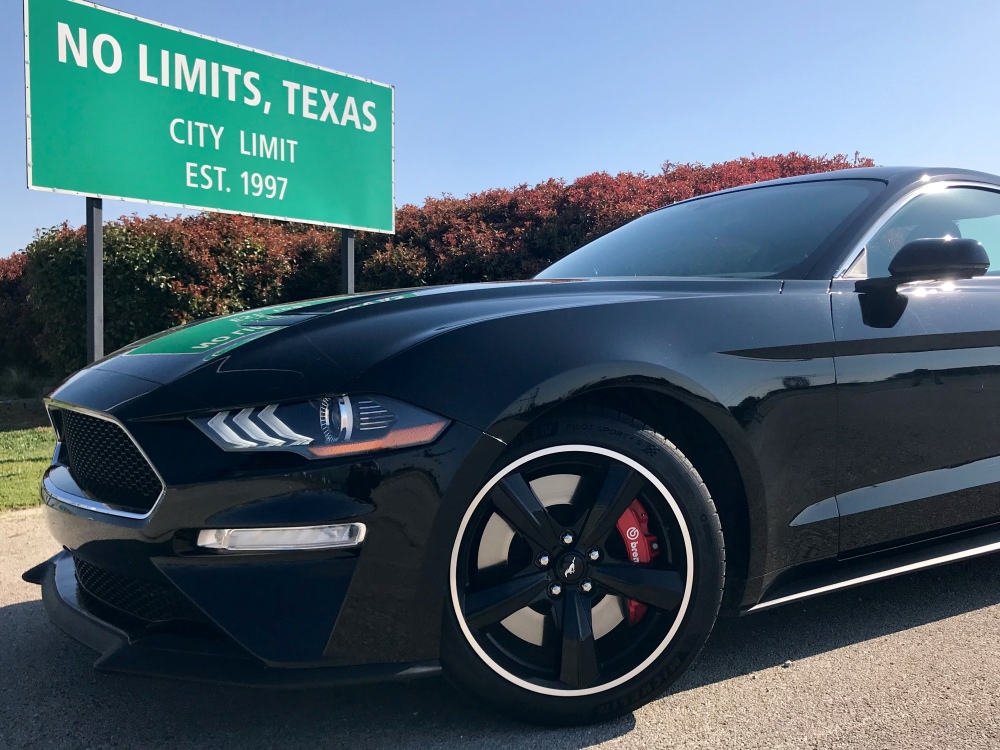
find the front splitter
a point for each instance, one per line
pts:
(181, 657)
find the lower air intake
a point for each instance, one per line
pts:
(139, 599)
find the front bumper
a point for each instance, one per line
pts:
(375, 610)
(198, 657)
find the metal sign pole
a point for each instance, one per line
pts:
(347, 261)
(95, 279)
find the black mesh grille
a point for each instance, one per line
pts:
(143, 600)
(106, 464)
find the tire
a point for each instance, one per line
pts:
(544, 632)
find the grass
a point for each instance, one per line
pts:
(24, 456)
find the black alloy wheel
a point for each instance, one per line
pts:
(575, 570)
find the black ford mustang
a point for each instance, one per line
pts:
(548, 488)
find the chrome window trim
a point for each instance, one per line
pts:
(924, 189)
(86, 502)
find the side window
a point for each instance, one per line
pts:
(955, 212)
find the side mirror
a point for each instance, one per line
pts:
(933, 259)
(939, 258)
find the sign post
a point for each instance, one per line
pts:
(95, 279)
(121, 107)
(347, 261)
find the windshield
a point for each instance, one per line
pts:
(758, 233)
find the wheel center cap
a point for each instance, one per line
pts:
(571, 567)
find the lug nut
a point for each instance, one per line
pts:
(594, 554)
(567, 538)
(587, 586)
(543, 560)
(555, 589)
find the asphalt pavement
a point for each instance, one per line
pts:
(907, 663)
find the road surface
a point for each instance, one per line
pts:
(907, 663)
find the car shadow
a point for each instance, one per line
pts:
(50, 696)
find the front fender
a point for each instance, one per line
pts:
(660, 383)
(774, 405)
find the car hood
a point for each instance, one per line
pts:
(312, 348)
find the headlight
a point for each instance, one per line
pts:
(323, 428)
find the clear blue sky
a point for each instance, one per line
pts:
(498, 94)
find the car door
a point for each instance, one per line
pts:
(918, 380)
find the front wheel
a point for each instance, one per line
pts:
(586, 574)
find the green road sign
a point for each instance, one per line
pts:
(122, 107)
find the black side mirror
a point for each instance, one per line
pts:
(939, 258)
(933, 259)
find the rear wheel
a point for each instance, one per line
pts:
(586, 574)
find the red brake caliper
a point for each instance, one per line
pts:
(640, 545)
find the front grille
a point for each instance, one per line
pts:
(143, 600)
(106, 463)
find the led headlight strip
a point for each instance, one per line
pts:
(396, 439)
(323, 428)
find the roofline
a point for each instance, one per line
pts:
(887, 175)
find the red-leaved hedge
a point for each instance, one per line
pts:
(163, 272)
(18, 327)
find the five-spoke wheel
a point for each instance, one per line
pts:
(574, 567)
(544, 578)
